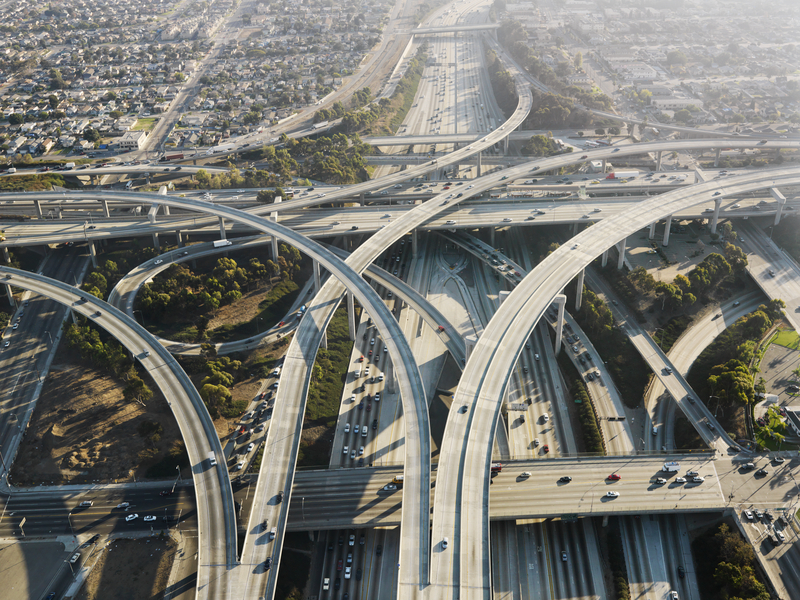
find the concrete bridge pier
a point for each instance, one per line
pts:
(470, 341)
(222, 229)
(665, 242)
(316, 276)
(480, 163)
(604, 258)
(574, 229)
(11, 301)
(505, 145)
(6, 255)
(715, 218)
(605, 164)
(179, 238)
(362, 199)
(93, 253)
(324, 343)
(391, 384)
(579, 290)
(156, 245)
(414, 243)
(274, 248)
(621, 250)
(716, 157)
(492, 236)
(38, 206)
(652, 233)
(106, 212)
(560, 300)
(659, 154)
(781, 199)
(351, 316)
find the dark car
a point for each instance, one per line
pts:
(358, 574)
(379, 550)
(338, 583)
(267, 564)
(681, 572)
(165, 493)
(565, 479)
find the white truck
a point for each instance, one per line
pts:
(622, 174)
(276, 372)
(221, 243)
(69, 165)
(671, 467)
(319, 125)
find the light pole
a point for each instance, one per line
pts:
(50, 336)
(303, 508)
(69, 520)
(717, 407)
(258, 325)
(141, 315)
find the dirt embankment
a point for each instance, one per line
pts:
(83, 430)
(131, 570)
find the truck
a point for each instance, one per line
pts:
(212, 459)
(11, 170)
(69, 165)
(171, 157)
(222, 243)
(671, 467)
(319, 125)
(496, 467)
(621, 174)
(398, 479)
(276, 372)
(302, 309)
(221, 148)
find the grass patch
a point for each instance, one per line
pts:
(670, 333)
(293, 575)
(255, 466)
(586, 429)
(146, 124)
(32, 183)
(273, 307)
(787, 338)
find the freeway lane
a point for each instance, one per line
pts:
(216, 520)
(487, 372)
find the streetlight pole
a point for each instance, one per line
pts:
(69, 520)
(141, 315)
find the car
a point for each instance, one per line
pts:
(349, 560)
(698, 479)
(546, 449)
(564, 556)
(352, 540)
(326, 584)
(132, 517)
(680, 480)
(614, 477)
(340, 565)
(250, 446)
(355, 428)
(268, 564)
(507, 220)
(584, 156)
(525, 474)
(612, 494)
(762, 472)
(545, 417)
(565, 479)
(346, 449)
(149, 518)
(673, 595)
(6, 345)
(710, 425)
(717, 194)
(123, 505)
(660, 480)
(85, 504)
(692, 473)
(778, 459)
(347, 572)
(780, 535)
(535, 442)
(15, 326)
(347, 427)
(372, 342)
(536, 356)
(749, 515)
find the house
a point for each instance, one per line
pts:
(132, 140)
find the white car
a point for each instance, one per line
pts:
(347, 427)
(612, 494)
(132, 517)
(346, 449)
(158, 261)
(326, 584)
(378, 397)
(389, 487)
(749, 515)
(525, 474)
(347, 571)
(250, 446)
(123, 505)
(355, 428)
(149, 518)
(780, 535)
(545, 417)
(680, 480)
(360, 450)
(372, 342)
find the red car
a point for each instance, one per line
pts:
(361, 359)
(614, 477)
(370, 352)
(339, 565)
(282, 323)
(546, 448)
(369, 406)
(585, 156)
(441, 327)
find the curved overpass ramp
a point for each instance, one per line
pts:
(215, 508)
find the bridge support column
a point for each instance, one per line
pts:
(274, 248)
(38, 206)
(716, 157)
(351, 316)
(574, 229)
(179, 238)
(666, 231)
(715, 218)
(156, 245)
(324, 342)
(658, 159)
(222, 229)
(621, 250)
(414, 243)
(480, 163)
(652, 233)
(561, 300)
(604, 260)
(10, 295)
(390, 379)
(166, 209)
(362, 199)
(491, 237)
(93, 253)
(503, 295)
(106, 212)
(579, 290)
(316, 276)
(470, 341)
(6, 255)
(781, 199)
(505, 145)
(605, 164)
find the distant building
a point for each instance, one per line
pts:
(133, 140)
(674, 103)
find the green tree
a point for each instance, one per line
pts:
(91, 135)
(16, 119)
(578, 60)
(676, 57)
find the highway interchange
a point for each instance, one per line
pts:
(509, 346)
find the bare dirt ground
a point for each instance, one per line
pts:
(83, 430)
(131, 570)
